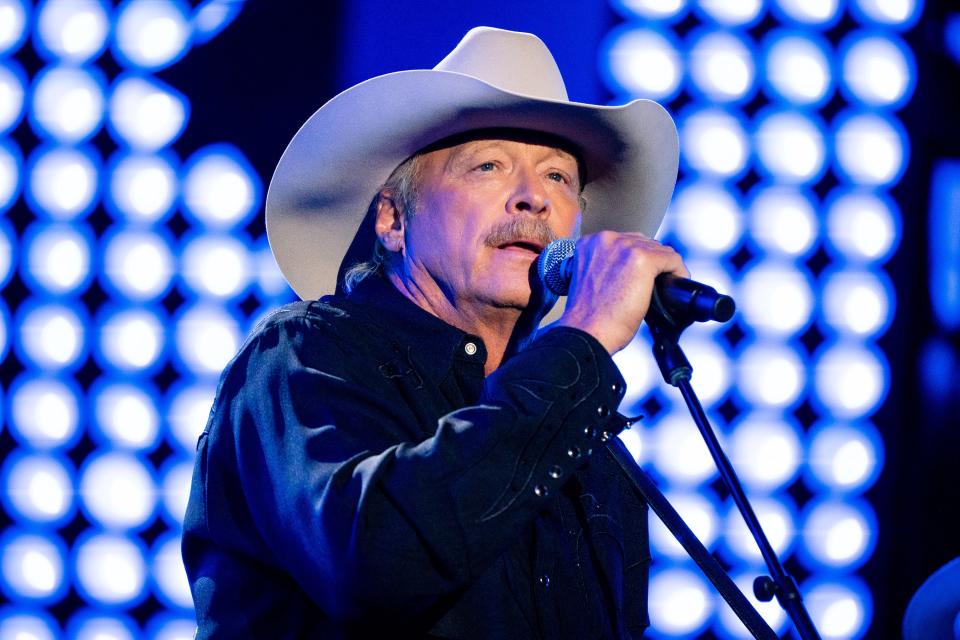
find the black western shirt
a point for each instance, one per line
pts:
(359, 477)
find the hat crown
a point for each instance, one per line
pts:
(509, 60)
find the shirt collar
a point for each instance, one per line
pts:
(437, 345)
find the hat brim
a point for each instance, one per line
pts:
(334, 165)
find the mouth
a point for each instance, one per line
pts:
(526, 246)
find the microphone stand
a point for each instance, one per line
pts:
(666, 327)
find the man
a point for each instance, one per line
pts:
(414, 457)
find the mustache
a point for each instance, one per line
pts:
(520, 228)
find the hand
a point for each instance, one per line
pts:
(612, 282)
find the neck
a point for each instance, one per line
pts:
(496, 326)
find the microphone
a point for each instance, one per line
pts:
(679, 297)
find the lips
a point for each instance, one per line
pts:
(531, 246)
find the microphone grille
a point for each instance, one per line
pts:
(549, 265)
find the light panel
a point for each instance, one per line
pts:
(39, 488)
(145, 114)
(10, 172)
(845, 458)
(52, 336)
(714, 143)
(698, 512)
(110, 569)
(68, 103)
(896, 14)
(798, 68)
(837, 534)
(766, 451)
(12, 94)
(58, 257)
(63, 182)
(850, 380)
(117, 490)
(858, 303)
(777, 518)
(207, 338)
(45, 413)
(731, 13)
(220, 188)
(138, 264)
(783, 220)
(92, 624)
(32, 566)
(169, 575)
(143, 188)
(840, 609)
(721, 66)
(706, 218)
(73, 31)
(678, 452)
(770, 375)
(13, 25)
(644, 63)
(151, 34)
(131, 340)
(871, 149)
(820, 13)
(680, 602)
(862, 225)
(878, 70)
(125, 417)
(790, 146)
(775, 299)
(216, 266)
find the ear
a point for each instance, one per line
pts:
(390, 222)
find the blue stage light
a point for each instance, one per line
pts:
(851, 380)
(118, 491)
(145, 114)
(73, 31)
(821, 13)
(731, 13)
(729, 627)
(857, 304)
(777, 516)
(766, 451)
(14, 16)
(11, 165)
(20, 621)
(9, 245)
(871, 148)
(951, 35)
(721, 66)
(844, 458)
(63, 182)
(771, 375)
(642, 62)
(783, 220)
(699, 510)
(39, 488)
(68, 103)
(944, 245)
(896, 14)
(131, 339)
(711, 365)
(45, 413)
(775, 298)
(109, 569)
(837, 534)
(151, 34)
(33, 566)
(713, 143)
(4, 329)
(51, 336)
(841, 608)
(680, 602)
(94, 624)
(169, 576)
(212, 17)
(138, 264)
(862, 226)
(175, 479)
(216, 265)
(57, 257)
(638, 368)
(676, 432)
(207, 338)
(798, 67)
(187, 410)
(124, 416)
(142, 187)
(166, 626)
(790, 146)
(706, 218)
(220, 188)
(878, 69)
(13, 83)
(270, 281)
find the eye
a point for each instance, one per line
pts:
(487, 166)
(557, 176)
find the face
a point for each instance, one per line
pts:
(485, 209)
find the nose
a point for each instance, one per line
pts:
(529, 195)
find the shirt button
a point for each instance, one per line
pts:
(555, 472)
(470, 348)
(541, 490)
(544, 580)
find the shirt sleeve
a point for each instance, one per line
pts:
(365, 521)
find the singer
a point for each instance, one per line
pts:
(410, 456)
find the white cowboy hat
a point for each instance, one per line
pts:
(337, 161)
